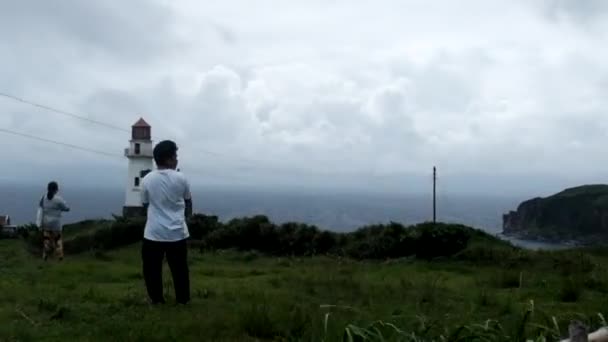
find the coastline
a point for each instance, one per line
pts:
(531, 243)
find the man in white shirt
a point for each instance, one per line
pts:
(166, 196)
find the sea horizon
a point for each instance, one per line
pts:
(338, 211)
(331, 210)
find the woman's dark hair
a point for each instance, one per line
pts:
(52, 189)
(163, 151)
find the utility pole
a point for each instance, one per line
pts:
(434, 196)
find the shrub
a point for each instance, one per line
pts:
(254, 233)
(299, 239)
(89, 235)
(259, 234)
(200, 226)
(438, 240)
(113, 235)
(380, 242)
(324, 242)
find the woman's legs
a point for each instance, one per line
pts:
(52, 241)
(47, 243)
(59, 245)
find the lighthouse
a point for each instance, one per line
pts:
(141, 161)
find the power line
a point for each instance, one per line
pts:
(63, 112)
(76, 147)
(112, 126)
(234, 159)
(229, 158)
(114, 155)
(195, 170)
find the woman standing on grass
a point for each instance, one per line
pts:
(52, 206)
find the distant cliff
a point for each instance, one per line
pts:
(579, 213)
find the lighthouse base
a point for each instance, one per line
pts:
(133, 212)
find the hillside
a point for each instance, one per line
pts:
(254, 280)
(486, 292)
(579, 213)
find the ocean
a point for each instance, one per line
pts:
(335, 211)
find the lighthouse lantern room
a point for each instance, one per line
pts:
(141, 161)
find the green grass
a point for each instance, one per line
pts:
(100, 296)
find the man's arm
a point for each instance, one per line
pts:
(188, 212)
(188, 199)
(145, 199)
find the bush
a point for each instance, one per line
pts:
(301, 239)
(380, 242)
(89, 235)
(201, 225)
(324, 242)
(254, 233)
(259, 234)
(110, 236)
(425, 241)
(440, 240)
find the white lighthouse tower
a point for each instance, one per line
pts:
(141, 161)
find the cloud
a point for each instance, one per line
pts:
(316, 93)
(579, 11)
(134, 31)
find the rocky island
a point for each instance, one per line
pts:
(577, 214)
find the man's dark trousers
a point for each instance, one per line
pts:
(153, 253)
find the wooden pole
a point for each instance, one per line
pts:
(434, 194)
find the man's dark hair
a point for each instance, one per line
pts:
(164, 151)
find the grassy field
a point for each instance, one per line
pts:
(245, 296)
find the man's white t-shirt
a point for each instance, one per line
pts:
(165, 191)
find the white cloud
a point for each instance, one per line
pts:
(321, 92)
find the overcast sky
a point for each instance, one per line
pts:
(503, 96)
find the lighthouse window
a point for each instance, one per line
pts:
(136, 181)
(141, 133)
(137, 148)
